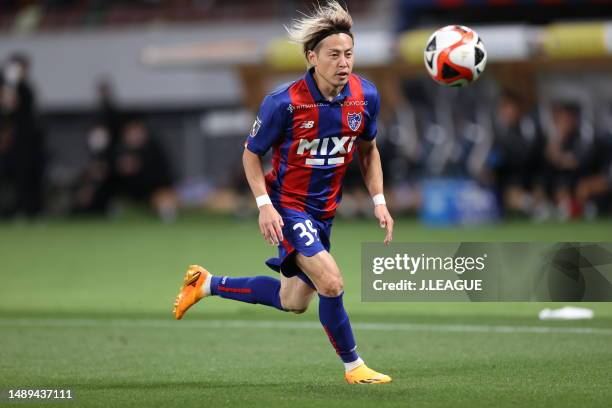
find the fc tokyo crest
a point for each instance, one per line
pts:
(354, 120)
(256, 126)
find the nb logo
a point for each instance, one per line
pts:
(332, 147)
(307, 124)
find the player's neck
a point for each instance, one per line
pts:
(328, 90)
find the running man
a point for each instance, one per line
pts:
(313, 125)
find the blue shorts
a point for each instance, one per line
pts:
(302, 234)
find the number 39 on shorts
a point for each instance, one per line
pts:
(307, 231)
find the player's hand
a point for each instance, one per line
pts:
(384, 218)
(271, 224)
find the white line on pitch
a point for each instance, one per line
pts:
(298, 325)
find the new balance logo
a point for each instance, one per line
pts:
(307, 124)
(323, 147)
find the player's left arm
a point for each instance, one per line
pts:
(371, 170)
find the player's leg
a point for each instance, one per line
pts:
(295, 294)
(199, 283)
(323, 271)
(263, 290)
(289, 294)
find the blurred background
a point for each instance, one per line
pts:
(108, 104)
(121, 132)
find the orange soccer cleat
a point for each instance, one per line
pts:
(365, 375)
(191, 291)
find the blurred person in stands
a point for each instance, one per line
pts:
(142, 170)
(96, 185)
(108, 114)
(570, 155)
(5, 152)
(22, 149)
(594, 191)
(94, 190)
(517, 153)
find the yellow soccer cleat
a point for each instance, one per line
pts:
(365, 375)
(191, 290)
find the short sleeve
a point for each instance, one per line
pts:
(267, 128)
(371, 128)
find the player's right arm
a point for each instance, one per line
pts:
(267, 130)
(270, 221)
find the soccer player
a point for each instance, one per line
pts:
(314, 125)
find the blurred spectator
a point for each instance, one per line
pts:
(142, 170)
(517, 153)
(108, 112)
(594, 191)
(94, 189)
(136, 168)
(5, 151)
(22, 149)
(570, 155)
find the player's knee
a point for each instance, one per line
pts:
(332, 287)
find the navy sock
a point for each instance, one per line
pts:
(336, 323)
(262, 290)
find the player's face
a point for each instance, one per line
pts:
(333, 60)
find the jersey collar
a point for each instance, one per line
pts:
(316, 94)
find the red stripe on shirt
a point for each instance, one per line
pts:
(294, 189)
(336, 182)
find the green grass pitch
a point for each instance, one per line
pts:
(85, 305)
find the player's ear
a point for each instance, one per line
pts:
(311, 56)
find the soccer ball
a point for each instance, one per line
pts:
(455, 56)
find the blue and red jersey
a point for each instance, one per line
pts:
(313, 141)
